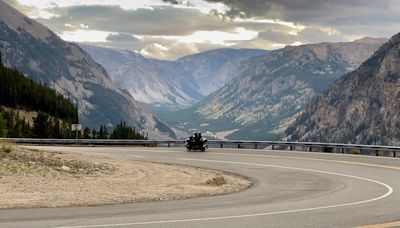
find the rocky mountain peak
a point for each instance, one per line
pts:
(361, 107)
(40, 54)
(16, 22)
(268, 91)
(370, 40)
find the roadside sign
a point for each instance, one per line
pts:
(76, 127)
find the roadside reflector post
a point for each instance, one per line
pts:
(273, 147)
(222, 145)
(342, 150)
(310, 149)
(394, 154)
(255, 146)
(291, 148)
(239, 145)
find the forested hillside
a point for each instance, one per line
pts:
(54, 112)
(18, 91)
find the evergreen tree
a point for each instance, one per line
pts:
(94, 133)
(121, 131)
(41, 127)
(3, 129)
(86, 133)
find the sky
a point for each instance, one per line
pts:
(169, 29)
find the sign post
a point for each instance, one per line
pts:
(76, 128)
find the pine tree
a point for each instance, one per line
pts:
(94, 133)
(3, 130)
(41, 127)
(86, 133)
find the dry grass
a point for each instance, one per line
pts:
(216, 181)
(14, 160)
(7, 147)
(49, 179)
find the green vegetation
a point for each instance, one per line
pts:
(54, 114)
(18, 91)
(122, 131)
(44, 126)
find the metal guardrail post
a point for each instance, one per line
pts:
(222, 145)
(169, 145)
(273, 147)
(291, 148)
(394, 154)
(238, 145)
(310, 149)
(255, 146)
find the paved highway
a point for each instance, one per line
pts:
(291, 189)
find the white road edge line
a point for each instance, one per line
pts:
(388, 187)
(136, 156)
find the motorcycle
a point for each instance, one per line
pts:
(192, 144)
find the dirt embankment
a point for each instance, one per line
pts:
(43, 179)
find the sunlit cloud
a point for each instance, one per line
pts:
(271, 21)
(169, 29)
(212, 37)
(82, 35)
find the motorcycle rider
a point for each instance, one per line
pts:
(197, 139)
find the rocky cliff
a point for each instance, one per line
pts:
(171, 84)
(361, 107)
(40, 54)
(267, 92)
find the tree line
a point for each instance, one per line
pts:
(18, 91)
(121, 131)
(55, 113)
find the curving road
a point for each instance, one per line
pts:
(292, 189)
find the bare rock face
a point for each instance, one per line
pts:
(361, 107)
(170, 84)
(43, 56)
(267, 92)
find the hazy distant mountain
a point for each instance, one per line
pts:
(268, 91)
(361, 107)
(40, 54)
(171, 84)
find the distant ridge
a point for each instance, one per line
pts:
(361, 107)
(268, 91)
(171, 84)
(43, 56)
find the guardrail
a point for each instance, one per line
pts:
(272, 145)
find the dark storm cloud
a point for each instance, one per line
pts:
(354, 17)
(299, 10)
(160, 20)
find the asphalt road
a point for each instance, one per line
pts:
(291, 189)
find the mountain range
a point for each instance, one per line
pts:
(40, 54)
(171, 85)
(267, 92)
(361, 107)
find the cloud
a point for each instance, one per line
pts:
(160, 20)
(121, 37)
(302, 10)
(168, 52)
(168, 29)
(174, 2)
